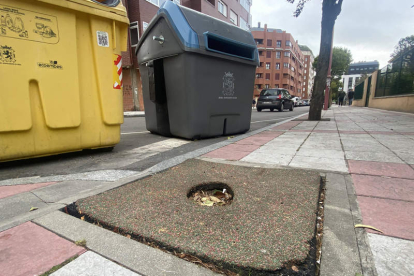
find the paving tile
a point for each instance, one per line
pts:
(92, 264)
(319, 163)
(407, 156)
(384, 132)
(381, 168)
(19, 204)
(6, 191)
(255, 140)
(335, 154)
(244, 148)
(385, 187)
(392, 256)
(226, 154)
(352, 132)
(373, 156)
(29, 249)
(266, 157)
(394, 217)
(324, 131)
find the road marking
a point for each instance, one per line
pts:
(126, 133)
(274, 119)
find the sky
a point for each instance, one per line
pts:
(369, 28)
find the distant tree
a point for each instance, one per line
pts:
(330, 11)
(341, 58)
(403, 45)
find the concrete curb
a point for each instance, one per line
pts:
(134, 114)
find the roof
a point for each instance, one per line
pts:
(363, 63)
(305, 48)
(268, 29)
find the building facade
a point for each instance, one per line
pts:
(281, 61)
(308, 72)
(141, 12)
(355, 71)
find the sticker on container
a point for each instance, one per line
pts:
(8, 55)
(102, 38)
(117, 71)
(52, 64)
(228, 87)
(28, 25)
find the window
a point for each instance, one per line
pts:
(261, 64)
(304, 82)
(292, 68)
(245, 4)
(305, 71)
(352, 69)
(258, 41)
(304, 89)
(222, 8)
(276, 85)
(277, 54)
(233, 17)
(267, 86)
(288, 43)
(277, 76)
(268, 76)
(350, 82)
(286, 54)
(279, 43)
(269, 42)
(267, 65)
(144, 26)
(286, 65)
(134, 33)
(306, 59)
(268, 54)
(304, 77)
(259, 76)
(357, 69)
(259, 86)
(306, 65)
(260, 53)
(277, 66)
(243, 24)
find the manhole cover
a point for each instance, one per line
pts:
(211, 194)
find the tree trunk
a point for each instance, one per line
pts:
(330, 11)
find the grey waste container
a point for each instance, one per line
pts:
(197, 74)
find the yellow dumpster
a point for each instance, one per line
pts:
(60, 75)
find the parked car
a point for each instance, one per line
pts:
(305, 102)
(275, 98)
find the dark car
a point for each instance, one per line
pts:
(275, 98)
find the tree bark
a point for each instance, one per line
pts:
(330, 11)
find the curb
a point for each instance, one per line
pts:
(134, 114)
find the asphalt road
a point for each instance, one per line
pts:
(137, 151)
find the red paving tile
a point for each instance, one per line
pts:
(300, 130)
(377, 186)
(381, 168)
(325, 131)
(29, 249)
(393, 217)
(273, 134)
(6, 191)
(244, 148)
(252, 140)
(352, 132)
(227, 154)
(384, 132)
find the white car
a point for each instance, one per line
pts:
(295, 100)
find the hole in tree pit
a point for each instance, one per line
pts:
(211, 194)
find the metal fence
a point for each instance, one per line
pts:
(397, 78)
(359, 91)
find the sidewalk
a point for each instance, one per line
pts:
(367, 156)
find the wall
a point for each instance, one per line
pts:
(395, 103)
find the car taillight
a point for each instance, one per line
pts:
(280, 96)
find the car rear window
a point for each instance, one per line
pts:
(270, 92)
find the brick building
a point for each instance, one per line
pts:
(308, 72)
(281, 61)
(140, 13)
